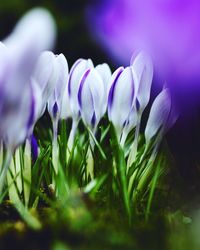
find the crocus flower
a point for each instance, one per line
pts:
(91, 98)
(75, 75)
(105, 73)
(143, 68)
(121, 98)
(19, 55)
(168, 29)
(77, 71)
(60, 77)
(65, 106)
(45, 77)
(159, 115)
(18, 59)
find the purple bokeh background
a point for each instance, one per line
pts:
(169, 30)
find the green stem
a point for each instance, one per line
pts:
(55, 156)
(5, 167)
(134, 147)
(72, 134)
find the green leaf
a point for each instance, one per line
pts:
(97, 144)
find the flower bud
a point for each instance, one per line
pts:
(91, 97)
(75, 75)
(121, 98)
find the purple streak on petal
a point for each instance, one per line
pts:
(112, 89)
(32, 113)
(81, 87)
(133, 89)
(93, 120)
(71, 73)
(34, 148)
(137, 104)
(55, 109)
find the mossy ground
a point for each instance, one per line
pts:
(83, 223)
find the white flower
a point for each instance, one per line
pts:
(91, 97)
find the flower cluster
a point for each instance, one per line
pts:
(33, 78)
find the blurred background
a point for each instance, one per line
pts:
(73, 38)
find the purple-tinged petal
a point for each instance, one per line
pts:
(91, 97)
(15, 120)
(81, 87)
(113, 81)
(143, 69)
(34, 148)
(71, 74)
(36, 106)
(32, 113)
(55, 109)
(24, 49)
(65, 107)
(20, 59)
(121, 99)
(105, 73)
(75, 75)
(60, 79)
(159, 115)
(36, 27)
(44, 72)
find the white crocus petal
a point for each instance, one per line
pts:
(37, 104)
(34, 33)
(45, 76)
(143, 69)
(120, 98)
(105, 73)
(132, 120)
(90, 97)
(63, 75)
(61, 78)
(37, 27)
(159, 114)
(22, 52)
(131, 123)
(65, 106)
(16, 133)
(75, 75)
(3, 60)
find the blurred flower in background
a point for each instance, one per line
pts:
(167, 29)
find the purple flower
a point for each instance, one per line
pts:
(121, 98)
(17, 60)
(91, 98)
(45, 77)
(77, 72)
(167, 29)
(83, 96)
(75, 75)
(159, 115)
(60, 78)
(143, 69)
(105, 73)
